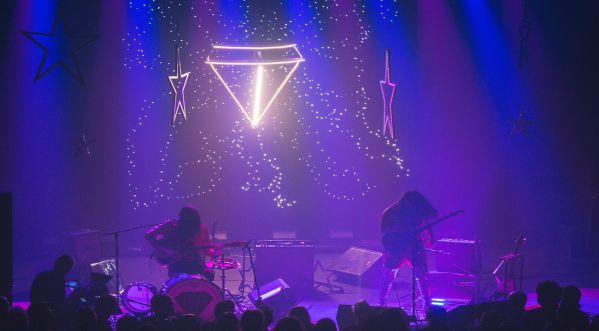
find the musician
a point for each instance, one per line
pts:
(178, 244)
(49, 286)
(404, 243)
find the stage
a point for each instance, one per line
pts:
(461, 136)
(324, 301)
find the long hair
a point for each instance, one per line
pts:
(417, 205)
(412, 208)
(189, 223)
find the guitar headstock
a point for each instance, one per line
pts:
(519, 243)
(457, 212)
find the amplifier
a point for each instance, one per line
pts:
(290, 260)
(458, 256)
(284, 244)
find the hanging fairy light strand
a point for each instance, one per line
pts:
(324, 114)
(522, 124)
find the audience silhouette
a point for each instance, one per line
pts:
(548, 296)
(302, 315)
(252, 320)
(559, 310)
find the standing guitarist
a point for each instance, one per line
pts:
(404, 242)
(181, 244)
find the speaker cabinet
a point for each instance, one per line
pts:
(291, 260)
(461, 317)
(6, 245)
(345, 315)
(359, 265)
(276, 295)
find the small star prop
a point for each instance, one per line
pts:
(60, 48)
(178, 83)
(82, 146)
(388, 90)
(521, 124)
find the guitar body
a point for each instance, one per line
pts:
(163, 241)
(399, 243)
(165, 256)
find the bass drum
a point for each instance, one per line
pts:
(192, 294)
(137, 297)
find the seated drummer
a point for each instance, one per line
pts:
(177, 244)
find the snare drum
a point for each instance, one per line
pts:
(137, 297)
(192, 294)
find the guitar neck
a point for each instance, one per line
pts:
(439, 220)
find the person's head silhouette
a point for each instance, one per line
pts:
(571, 296)
(162, 306)
(64, 264)
(437, 317)
(517, 299)
(252, 320)
(225, 306)
(549, 294)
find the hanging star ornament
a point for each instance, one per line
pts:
(60, 48)
(521, 125)
(388, 90)
(178, 84)
(82, 146)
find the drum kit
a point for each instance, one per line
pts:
(191, 293)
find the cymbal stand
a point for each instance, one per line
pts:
(509, 281)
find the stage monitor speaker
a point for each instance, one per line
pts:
(276, 295)
(345, 314)
(462, 316)
(360, 265)
(291, 260)
(6, 245)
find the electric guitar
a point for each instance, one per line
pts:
(166, 256)
(397, 242)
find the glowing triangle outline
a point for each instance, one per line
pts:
(272, 99)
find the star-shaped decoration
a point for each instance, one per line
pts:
(60, 48)
(82, 146)
(388, 90)
(522, 124)
(178, 84)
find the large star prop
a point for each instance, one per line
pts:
(178, 83)
(60, 48)
(388, 90)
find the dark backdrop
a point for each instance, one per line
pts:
(459, 95)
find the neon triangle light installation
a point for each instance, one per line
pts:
(254, 75)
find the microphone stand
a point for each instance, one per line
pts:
(414, 317)
(256, 284)
(116, 234)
